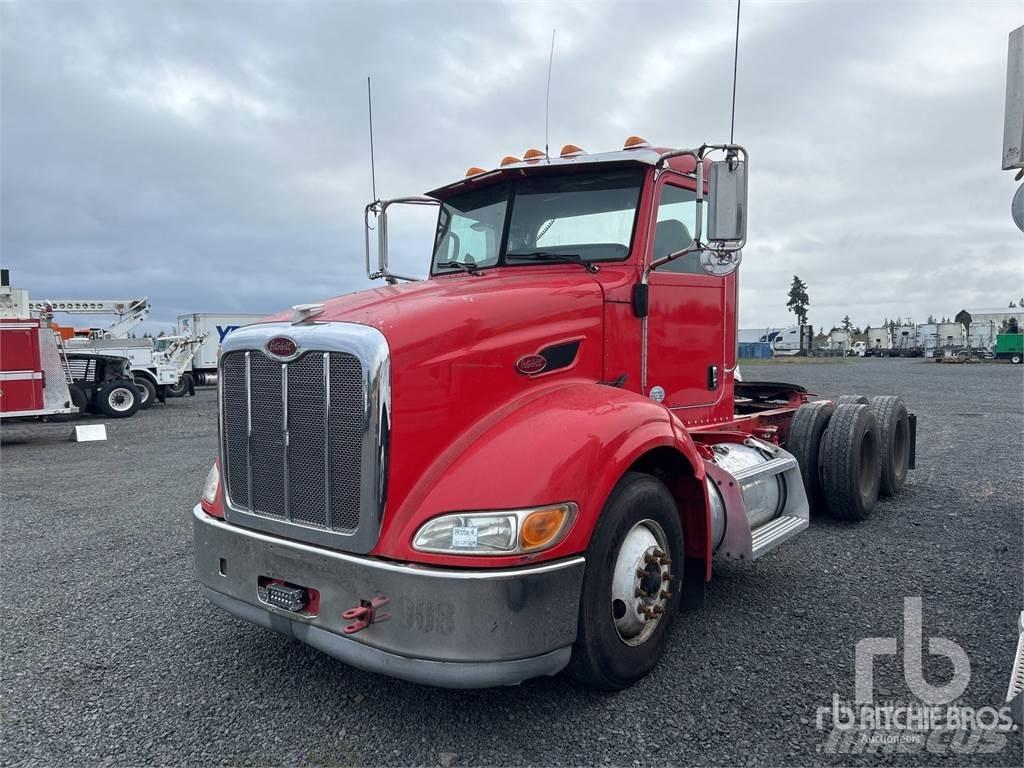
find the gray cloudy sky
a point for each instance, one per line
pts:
(213, 156)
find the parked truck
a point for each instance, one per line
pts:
(212, 328)
(1010, 346)
(527, 462)
(39, 379)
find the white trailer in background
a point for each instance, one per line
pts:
(904, 338)
(949, 336)
(214, 327)
(981, 336)
(927, 338)
(879, 340)
(837, 343)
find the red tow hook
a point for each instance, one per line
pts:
(366, 613)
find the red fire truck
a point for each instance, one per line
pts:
(34, 379)
(528, 461)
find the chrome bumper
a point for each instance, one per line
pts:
(450, 628)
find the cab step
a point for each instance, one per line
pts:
(775, 532)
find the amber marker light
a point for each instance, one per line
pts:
(541, 527)
(635, 142)
(509, 160)
(533, 155)
(571, 150)
(474, 171)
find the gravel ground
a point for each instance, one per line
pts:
(110, 656)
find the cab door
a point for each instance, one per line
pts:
(686, 323)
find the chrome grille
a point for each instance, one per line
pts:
(294, 439)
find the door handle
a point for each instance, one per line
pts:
(712, 377)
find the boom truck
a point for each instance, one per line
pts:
(158, 366)
(528, 461)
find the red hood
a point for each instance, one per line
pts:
(454, 343)
(495, 309)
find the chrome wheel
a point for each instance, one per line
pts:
(121, 399)
(640, 583)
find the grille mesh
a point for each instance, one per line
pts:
(347, 414)
(306, 469)
(312, 477)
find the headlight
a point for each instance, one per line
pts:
(496, 533)
(212, 482)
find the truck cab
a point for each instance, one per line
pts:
(527, 461)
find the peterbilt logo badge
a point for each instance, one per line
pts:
(531, 364)
(282, 346)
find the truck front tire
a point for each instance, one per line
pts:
(631, 587)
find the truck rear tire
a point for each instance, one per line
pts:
(118, 399)
(1015, 359)
(805, 435)
(894, 434)
(630, 590)
(147, 392)
(850, 458)
(852, 400)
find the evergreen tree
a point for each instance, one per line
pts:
(798, 300)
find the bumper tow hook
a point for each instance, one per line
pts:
(366, 613)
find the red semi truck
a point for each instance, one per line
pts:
(528, 461)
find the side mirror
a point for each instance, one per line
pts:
(727, 201)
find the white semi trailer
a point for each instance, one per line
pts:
(214, 328)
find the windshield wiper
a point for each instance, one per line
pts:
(567, 258)
(472, 269)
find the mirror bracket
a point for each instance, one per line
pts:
(727, 201)
(379, 210)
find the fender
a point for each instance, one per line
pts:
(571, 441)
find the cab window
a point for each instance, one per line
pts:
(677, 214)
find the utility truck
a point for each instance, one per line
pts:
(528, 461)
(212, 328)
(158, 366)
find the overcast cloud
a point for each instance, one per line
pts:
(214, 156)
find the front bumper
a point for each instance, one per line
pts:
(450, 628)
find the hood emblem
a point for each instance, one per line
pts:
(531, 364)
(282, 346)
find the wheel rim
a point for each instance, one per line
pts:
(121, 399)
(143, 393)
(640, 582)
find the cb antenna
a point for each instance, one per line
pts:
(369, 109)
(547, 95)
(735, 63)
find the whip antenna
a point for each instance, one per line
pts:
(369, 109)
(547, 95)
(735, 63)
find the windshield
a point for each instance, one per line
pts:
(580, 217)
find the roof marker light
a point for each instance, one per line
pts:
(473, 171)
(635, 142)
(571, 150)
(509, 160)
(533, 155)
